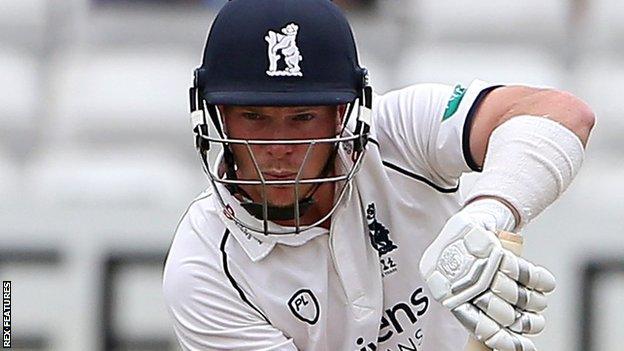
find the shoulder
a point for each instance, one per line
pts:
(209, 307)
(195, 245)
(200, 223)
(403, 112)
(434, 97)
(416, 95)
(391, 107)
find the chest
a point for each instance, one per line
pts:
(357, 288)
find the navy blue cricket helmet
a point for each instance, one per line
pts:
(278, 53)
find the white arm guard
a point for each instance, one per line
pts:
(530, 161)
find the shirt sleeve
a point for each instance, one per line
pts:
(207, 312)
(425, 128)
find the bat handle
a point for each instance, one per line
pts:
(512, 242)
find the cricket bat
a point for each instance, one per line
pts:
(513, 243)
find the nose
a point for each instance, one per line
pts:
(279, 151)
(280, 131)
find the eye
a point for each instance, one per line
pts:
(252, 116)
(303, 117)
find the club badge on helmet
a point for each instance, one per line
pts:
(279, 53)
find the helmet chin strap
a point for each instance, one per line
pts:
(278, 213)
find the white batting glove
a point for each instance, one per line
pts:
(495, 294)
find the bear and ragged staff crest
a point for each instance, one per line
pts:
(284, 45)
(378, 233)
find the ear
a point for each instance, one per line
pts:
(341, 109)
(222, 109)
(340, 115)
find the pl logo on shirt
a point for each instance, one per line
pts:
(304, 305)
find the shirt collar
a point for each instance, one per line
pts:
(257, 245)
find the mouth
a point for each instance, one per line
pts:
(279, 175)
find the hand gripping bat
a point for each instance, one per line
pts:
(512, 242)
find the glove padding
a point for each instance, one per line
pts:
(495, 294)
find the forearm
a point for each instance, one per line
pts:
(559, 106)
(504, 104)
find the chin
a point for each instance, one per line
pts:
(282, 196)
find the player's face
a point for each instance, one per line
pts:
(281, 161)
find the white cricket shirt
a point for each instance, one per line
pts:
(355, 287)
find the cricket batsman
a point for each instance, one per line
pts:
(333, 221)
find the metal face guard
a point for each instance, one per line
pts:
(296, 183)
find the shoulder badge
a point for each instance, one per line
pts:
(453, 103)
